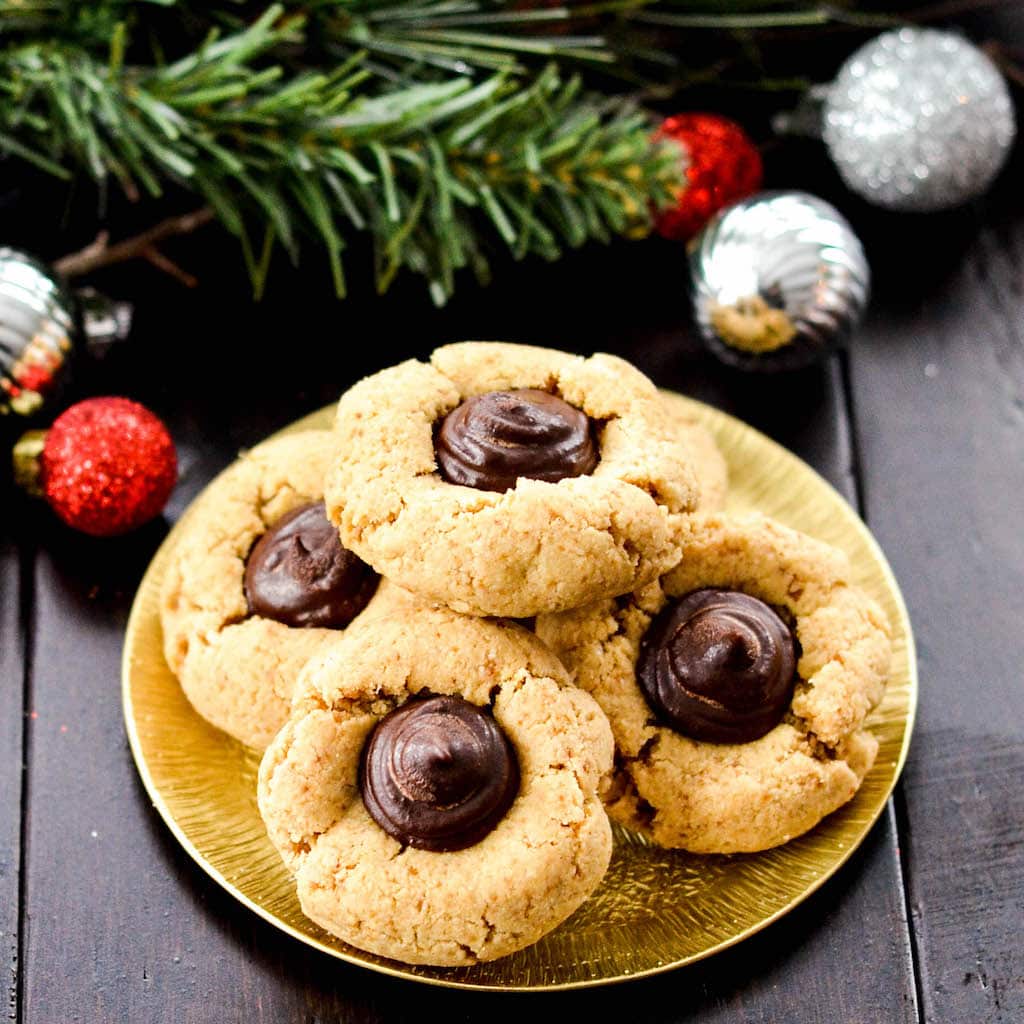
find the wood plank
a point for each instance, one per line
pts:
(123, 925)
(12, 719)
(802, 968)
(939, 386)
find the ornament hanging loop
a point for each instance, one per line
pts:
(105, 321)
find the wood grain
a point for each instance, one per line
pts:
(12, 679)
(123, 926)
(940, 392)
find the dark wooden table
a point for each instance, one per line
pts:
(921, 426)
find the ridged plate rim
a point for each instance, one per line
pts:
(733, 434)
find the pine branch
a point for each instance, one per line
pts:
(434, 171)
(626, 39)
(634, 41)
(462, 36)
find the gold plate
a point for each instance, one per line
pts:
(655, 909)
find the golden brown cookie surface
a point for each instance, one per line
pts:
(542, 545)
(729, 797)
(238, 668)
(521, 879)
(709, 466)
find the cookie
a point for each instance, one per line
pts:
(710, 469)
(257, 584)
(720, 747)
(507, 480)
(435, 792)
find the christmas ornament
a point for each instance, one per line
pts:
(779, 279)
(722, 165)
(106, 466)
(37, 327)
(918, 120)
(41, 323)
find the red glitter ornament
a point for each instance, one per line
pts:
(107, 466)
(722, 165)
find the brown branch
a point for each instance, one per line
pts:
(168, 266)
(99, 253)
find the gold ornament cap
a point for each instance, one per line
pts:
(26, 458)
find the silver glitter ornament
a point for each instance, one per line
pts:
(779, 280)
(918, 120)
(41, 324)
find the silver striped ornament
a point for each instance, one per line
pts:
(42, 326)
(779, 280)
(37, 333)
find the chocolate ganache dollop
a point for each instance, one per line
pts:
(299, 574)
(491, 440)
(438, 773)
(718, 665)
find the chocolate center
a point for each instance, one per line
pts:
(718, 665)
(491, 440)
(438, 773)
(299, 574)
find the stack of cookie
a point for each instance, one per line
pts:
(439, 777)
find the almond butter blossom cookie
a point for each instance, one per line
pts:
(435, 790)
(258, 583)
(736, 686)
(505, 479)
(710, 469)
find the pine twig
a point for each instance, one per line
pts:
(99, 253)
(169, 267)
